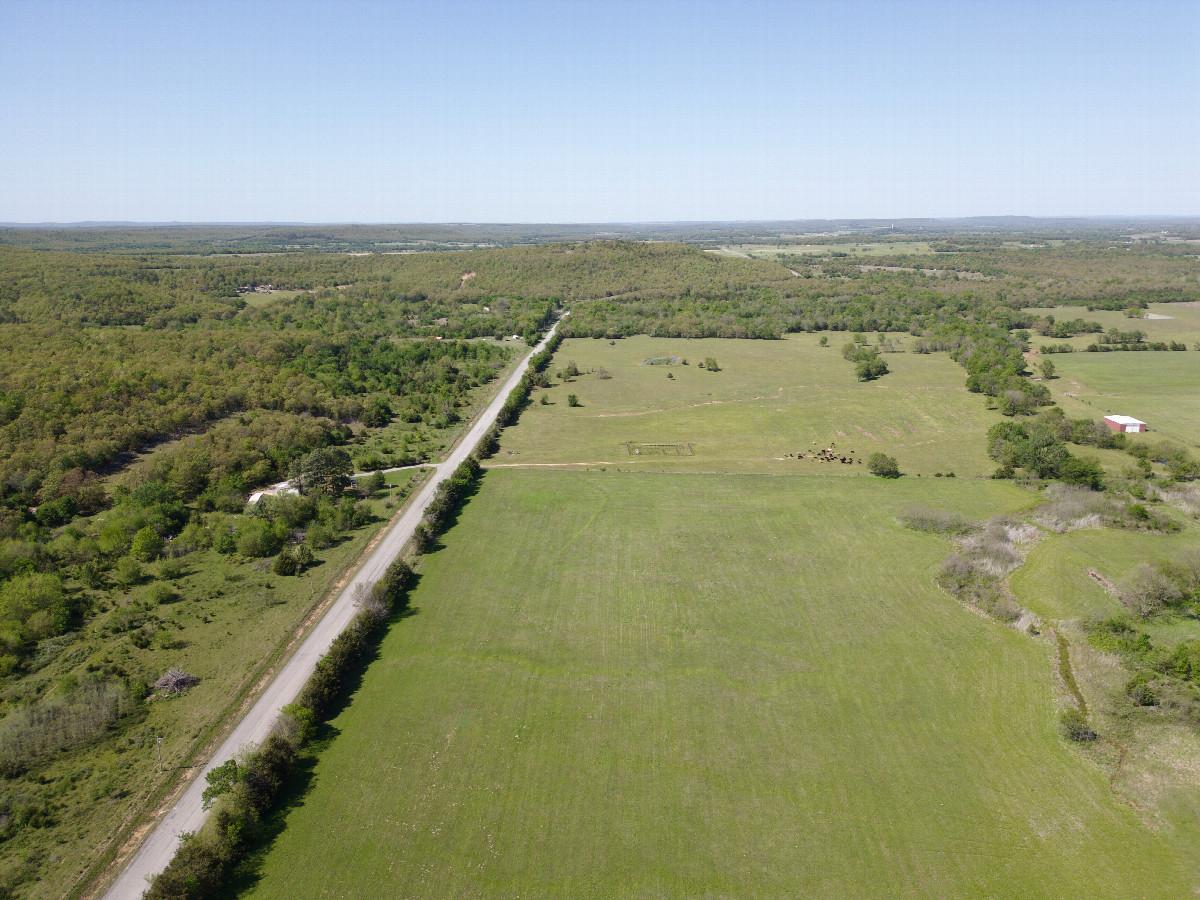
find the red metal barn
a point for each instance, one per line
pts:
(1124, 423)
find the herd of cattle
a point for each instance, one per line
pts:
(829, 454)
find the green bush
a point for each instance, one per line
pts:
(285, 563)
(1075, 725)
(162, 593)
(1139, 690)
(257, 539)
(884, 466)
(147, 545)
(127, 572)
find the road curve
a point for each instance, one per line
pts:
(187, 815)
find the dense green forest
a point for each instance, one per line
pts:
(152, 378)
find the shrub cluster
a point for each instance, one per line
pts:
(449, 494)
(1179, 463)
(1138, 345)
(937, 521)
(1166, 677)
(1069, 507)
(1153, 587)
(204, 860)
(975, 573)
(868, 364)
(350, 648)
(1037, 447)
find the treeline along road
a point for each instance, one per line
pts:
(188, 814)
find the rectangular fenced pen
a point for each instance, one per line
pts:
(635, 449)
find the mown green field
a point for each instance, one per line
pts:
(1161, 389)
(655, 685)
(769, 399)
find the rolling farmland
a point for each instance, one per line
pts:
(647, 685)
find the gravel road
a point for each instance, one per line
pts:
(188, 815)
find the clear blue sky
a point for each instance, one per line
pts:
(576, 111)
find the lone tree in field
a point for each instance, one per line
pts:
(883, 466)
(1046, 367)
(711, 364)
(871, 368)
(572, 400)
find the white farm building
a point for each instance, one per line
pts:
(1124, 423)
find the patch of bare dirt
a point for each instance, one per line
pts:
(1103, 581)
(865, 433)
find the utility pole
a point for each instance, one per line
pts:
(159, 743)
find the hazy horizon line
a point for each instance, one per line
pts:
(170, 223)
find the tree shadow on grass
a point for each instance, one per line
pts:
(452, 517)
(303, 777)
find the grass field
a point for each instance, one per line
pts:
(1182, 324)
(1161, 389)
(1053, 581)
(769, 399)
(647, 685)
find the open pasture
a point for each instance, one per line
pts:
(1053, 581)
(1161, 389)
(769, 399)
(646, 685)
(1179, 322)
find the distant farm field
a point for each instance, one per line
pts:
(662, 685)
(769, 399)
(1170, 322)
(1162, 389)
